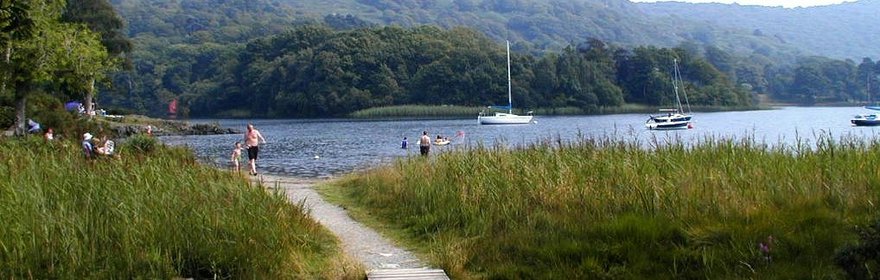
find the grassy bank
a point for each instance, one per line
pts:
(154, 212)
(609, 209)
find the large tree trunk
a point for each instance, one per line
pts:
(20, 103)
(90, 93)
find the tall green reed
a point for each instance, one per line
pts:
(146, 214)
(607, 208)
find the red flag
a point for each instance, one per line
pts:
(172, 107)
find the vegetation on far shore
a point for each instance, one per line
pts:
(442, 111)
(612, 209)
(153, 212)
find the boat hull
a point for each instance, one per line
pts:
(669, 126)
(870, 120)
(502, 118)
(669, 122)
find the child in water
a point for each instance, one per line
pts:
(236, 157)
(403, 143)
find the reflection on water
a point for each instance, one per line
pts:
(324, 148)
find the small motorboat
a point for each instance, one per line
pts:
(865, 120)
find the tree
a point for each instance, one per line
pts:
(100, 17)
(15, 25)
(34, 60)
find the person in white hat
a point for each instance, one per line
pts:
(88, 148)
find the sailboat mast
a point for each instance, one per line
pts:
(675, 84)
(509, 86)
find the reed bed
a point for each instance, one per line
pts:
(605, 208)
(418, 111)
(153, 212)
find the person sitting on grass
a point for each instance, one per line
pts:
(105, 147)
(88, 148)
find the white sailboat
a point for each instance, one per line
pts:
(509, 117)
(867, 119)
(673, 118)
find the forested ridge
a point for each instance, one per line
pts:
(314, 71)
(846, 30)
(280, 58)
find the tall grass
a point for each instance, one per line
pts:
(613, 209)
(151, 213)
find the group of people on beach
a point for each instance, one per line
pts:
(252, 140)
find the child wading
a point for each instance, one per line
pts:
(236, 157)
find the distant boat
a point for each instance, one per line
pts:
(865, 120)
(672, 118)
(509, 117)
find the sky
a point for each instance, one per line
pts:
(776, 3)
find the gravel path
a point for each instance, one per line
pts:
(359, 241)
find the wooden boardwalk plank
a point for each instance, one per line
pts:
(407, 273)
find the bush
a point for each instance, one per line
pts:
(140, 144)
(7, 116)
(862, 261)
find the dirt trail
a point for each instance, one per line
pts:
(358, 241)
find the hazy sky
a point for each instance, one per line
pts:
(784, 3)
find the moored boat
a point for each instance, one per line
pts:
(672, 118)
(509, 117)
(865, 120)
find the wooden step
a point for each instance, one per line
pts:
(408, 273)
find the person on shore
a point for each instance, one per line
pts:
(236, 156)
(88, 148)
(105, 146)
(424, 144)
(252, 140)
(33, 127)
(49, 135)
(403, 144)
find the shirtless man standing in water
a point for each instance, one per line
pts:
(424, 144)
(252, 140)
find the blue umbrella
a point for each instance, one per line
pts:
(72, 106)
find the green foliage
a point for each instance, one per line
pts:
(7, 116)
(862, 260)
(313, 71)
(217, 59)
(141, 144)
(606, 208)
(160, 215)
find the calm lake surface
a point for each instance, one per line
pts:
(326, 148)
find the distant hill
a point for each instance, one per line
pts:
(844, 31)
(549, 24)
(200, 21)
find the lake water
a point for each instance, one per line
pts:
(326, 148)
